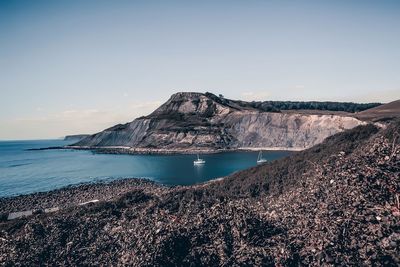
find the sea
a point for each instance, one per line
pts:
(24, 171)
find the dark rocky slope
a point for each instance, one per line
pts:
(381, 113)
(334, 204)
(196, 122)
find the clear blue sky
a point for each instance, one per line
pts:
(81, 66)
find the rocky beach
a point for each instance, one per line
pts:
(75, 195)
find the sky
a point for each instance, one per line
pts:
(70, 67)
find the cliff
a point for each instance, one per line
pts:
(190, 122)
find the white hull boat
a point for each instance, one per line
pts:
(260, 159)
(199, 161)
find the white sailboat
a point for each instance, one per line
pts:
(260, 159)
(199, 161)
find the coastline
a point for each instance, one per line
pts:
(294, 149)
(162, 151)
(263, 211)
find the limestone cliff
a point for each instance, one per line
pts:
(190, 122)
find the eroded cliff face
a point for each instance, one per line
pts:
(286, 131)
(129, 135)
(190, 122)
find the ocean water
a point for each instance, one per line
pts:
(23, 171)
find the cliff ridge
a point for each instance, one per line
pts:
(195, 122)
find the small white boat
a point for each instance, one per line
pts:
(199, 161)
(260, 159)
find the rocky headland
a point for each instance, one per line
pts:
(206, 123)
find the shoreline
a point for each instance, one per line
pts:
(160, 151)
(77, 195)
(294, 149)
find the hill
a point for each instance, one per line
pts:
(196, 122)
(381, 113)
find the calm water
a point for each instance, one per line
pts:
(23, 172)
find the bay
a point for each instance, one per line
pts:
(23, 171)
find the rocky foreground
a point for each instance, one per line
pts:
(336, 203)
(75, 195)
